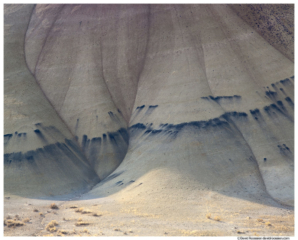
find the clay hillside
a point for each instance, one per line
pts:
(148, 120)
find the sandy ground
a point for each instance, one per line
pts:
(219, 216)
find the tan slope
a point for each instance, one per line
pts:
(254, 75)
(41, 158)
(88, 64)
(107, 40)
(204, 110)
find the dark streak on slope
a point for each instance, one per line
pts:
(59, 154)
(138, 109)
(282, 90)
(136, 112)
(272, 95)
(150, 109)
(272, 109)
(285, 151)
(172, 130)
(281, 105)
(95, 147)
(286, 82)
(114, 118)
(41, 136)
(256, 113)
(290, 102)
(7, 137)
(220, 98)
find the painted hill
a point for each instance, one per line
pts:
(150, 103)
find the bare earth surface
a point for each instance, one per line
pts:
(140, 218)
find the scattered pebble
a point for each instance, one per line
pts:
(54, 206)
